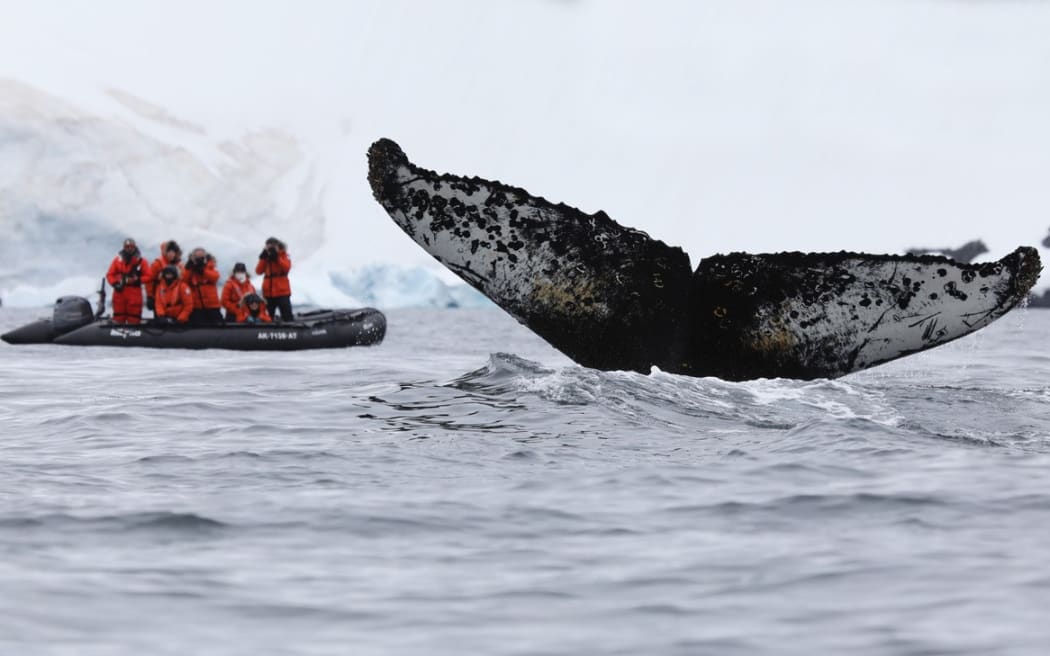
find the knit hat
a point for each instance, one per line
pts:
(240, 267)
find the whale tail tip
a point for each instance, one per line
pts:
(384, 158)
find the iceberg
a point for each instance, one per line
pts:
(392, 286)
(76, 179)
(74, 183)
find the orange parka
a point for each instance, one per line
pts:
(232, 293)
(120, 270)
(203, 286)
(156, 267)
(275, 271)
(262, 317)
(174, 300)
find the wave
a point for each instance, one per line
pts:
(133, 521)
(865, 413)
(670, 398)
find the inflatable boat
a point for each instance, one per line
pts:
(73, 323)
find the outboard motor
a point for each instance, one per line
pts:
(71, 312)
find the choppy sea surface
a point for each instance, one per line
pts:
(465, 489)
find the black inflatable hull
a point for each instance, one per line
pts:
(315, 330)
(38, 332)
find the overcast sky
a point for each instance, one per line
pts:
(756, 125)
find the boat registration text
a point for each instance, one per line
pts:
(279, 336)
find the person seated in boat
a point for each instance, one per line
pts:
(237, 286)
(170, 254)
(202, 276)
(252, 310)
(127, 274)
(173, 299)
(274, 265)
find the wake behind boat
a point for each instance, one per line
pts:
(74, 324)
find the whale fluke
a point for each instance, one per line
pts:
(611, 297)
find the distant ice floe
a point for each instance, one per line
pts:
(395, 286)
(383, 286)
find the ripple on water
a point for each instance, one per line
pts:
(179, 522)
(386, 500)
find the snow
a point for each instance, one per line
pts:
(24, 295)
(75, 183)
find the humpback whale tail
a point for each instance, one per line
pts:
(611, 297)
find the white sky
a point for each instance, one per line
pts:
(756, 125)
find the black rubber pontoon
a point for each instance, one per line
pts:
(70, 313)
(311, 330)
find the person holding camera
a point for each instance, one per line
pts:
(127, 274)
(173, 300)
(170, 255)
(274, 264)
(202, 276)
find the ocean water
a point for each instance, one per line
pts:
(465, 489)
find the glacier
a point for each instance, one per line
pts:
(76, 180)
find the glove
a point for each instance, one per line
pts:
(150, 304)
(119, 285)
(264, 255)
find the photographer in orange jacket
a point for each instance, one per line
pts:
(274, 264)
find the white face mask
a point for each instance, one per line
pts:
(241, 277)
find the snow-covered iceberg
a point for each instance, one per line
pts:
(74, 183)
(76, 179)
